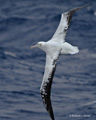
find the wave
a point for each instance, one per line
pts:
(14, 20)
(89, 103)
(10, 54)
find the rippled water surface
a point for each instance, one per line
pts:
(25, 22)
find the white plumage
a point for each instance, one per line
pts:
(53, 49)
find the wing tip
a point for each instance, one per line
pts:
(78, 8)
(75, 9)
(47, 104)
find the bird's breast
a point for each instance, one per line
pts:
(51, 47)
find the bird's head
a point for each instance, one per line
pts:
(39, 45)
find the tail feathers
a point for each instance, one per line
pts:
(74, 50)
(69, 49)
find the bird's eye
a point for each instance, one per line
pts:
(40, 44)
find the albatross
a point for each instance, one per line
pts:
(53, 49)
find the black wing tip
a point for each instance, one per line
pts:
(47, 104)
(77, 8)
(83, 7)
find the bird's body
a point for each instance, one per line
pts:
(51, 47)
(54, 48)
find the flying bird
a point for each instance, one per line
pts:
(53, 49)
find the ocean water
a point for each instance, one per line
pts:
(24, 23)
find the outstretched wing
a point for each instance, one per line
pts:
(47, 82)
(61, 31)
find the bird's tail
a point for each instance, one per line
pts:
(69, 49)
(74, 50)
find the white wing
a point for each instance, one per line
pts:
(61, 31)
(47, 82)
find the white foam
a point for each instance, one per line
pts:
(95, 13)
(89, 103)
(9, 53)
(89, 8)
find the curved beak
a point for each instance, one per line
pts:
(33, 46)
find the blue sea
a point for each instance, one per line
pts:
(24, 23)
